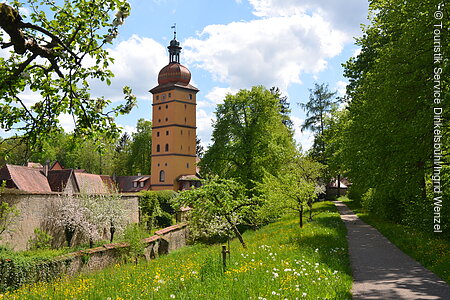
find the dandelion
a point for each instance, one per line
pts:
(287, 270)
(274, 293)
(275, 275)
(172, 296)
(304, 294)
(182, 278)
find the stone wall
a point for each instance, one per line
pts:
(35, 211)
(163, 242)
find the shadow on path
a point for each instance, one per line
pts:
(381, 270)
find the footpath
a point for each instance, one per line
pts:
(381, 270)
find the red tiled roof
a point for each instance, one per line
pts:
(57, 179)
(28, 179)
(90, 183)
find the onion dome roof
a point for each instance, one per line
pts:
(174, 73)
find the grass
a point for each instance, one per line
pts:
(282, 262)
(431, 251)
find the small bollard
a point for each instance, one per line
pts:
(224, 257)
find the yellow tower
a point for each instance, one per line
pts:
(174, 124)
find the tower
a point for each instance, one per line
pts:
(174, 124)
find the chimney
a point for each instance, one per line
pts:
(46, 167)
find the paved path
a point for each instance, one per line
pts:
(381, 270)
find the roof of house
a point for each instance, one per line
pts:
(126, 183)
(27, 179)
(90, 183)
(58, 179)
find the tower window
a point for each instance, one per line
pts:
(185, 120)
(157, 134)
(167, 119)
(170, 95)
(190, 96)
(181, 131)
(165, 164)
(159, 165)
(157, 97)
(159, 108)
(162, 176)
(167, 147)
(167, 106)
(159, 120)
(164, 96)
(167, 132)
(158, 148)
(187, 165)
(185, 107)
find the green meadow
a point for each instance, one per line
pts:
(283, 261)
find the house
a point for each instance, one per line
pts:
(337, 187)
(35, 179)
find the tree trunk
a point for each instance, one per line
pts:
(69, 235)
(112, 229)
(301, 216)
(339, 185)
(239, 236)
(310, 204)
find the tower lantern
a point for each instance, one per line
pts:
(174, 125)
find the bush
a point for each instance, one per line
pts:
(41, 240)
(164, 219)
(165, 200)
(367, 200)
(133, 235)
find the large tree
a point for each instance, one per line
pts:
(388, 147)
(141, 148)
(249, 138)
(55, 52)
(321, 103)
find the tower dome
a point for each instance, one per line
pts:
(174, 72)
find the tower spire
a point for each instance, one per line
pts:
(174, 47)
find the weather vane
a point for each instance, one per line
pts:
(174, 27)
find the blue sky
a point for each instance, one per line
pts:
(234, 44)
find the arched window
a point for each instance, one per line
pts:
(167, 147)
(158, 148)
(162, 176)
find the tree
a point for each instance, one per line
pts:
(122, 152)
(141, 148)
(320, 104)
(249, 138)
(293, 189)
(218, 207)
(388, 148)
(55, 52)
(199, 149)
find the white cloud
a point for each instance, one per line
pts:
(67, 123)
(204, 125)
(128, 129)
(357, 52)
(346, 15)
(305, 138)
(137, 64)
(271, 51)
(216, 96)
(341, 88)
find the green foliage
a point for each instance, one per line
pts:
(156, 208)
(41, 240)
(280, 259)
(297, 186)
(139, 159)
(386, 138)
(56, 52)
(20, 268)
(219, 205)
(133, 235)
(150, 209)
(249, 138)
(321, 103)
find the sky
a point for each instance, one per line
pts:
(230, 45)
